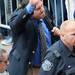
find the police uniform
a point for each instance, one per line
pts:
(58, 61)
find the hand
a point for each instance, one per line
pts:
(56, 31)
(34, 2)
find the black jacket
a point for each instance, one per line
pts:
(25, 38)
(59, 60)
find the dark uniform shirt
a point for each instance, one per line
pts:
(58, 61)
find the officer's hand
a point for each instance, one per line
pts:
(34, 2)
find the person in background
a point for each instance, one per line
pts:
(60, 57)
(3, 62)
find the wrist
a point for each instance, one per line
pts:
(30, 8)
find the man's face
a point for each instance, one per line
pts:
(69, 36)
(71, 41)
(39, 12)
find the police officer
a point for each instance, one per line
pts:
(60, 57)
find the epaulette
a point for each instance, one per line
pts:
(56, 52)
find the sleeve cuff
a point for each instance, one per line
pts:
(30, 8)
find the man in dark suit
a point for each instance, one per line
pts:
(24, 25)
(25, 37)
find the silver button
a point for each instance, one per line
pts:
(69, 66)
(24, 16)
(29, 62)
(33, 52)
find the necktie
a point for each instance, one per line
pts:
(42, 40)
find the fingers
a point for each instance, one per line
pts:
(56, 31)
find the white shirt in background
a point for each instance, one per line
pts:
(70, 6)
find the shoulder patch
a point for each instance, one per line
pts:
(47, 65)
